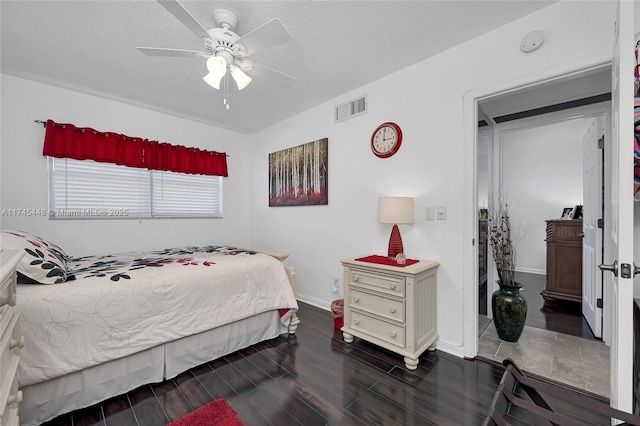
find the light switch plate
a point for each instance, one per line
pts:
(430, 214)
(441, 212)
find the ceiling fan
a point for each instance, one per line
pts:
(226, 52)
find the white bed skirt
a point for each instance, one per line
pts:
(47, 400)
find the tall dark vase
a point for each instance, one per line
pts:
(509, 309)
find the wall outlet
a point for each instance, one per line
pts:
(335, 285)
(441, 212)
(430, 214)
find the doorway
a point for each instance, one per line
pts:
(539, 171)
(572, 348)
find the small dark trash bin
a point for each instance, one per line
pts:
(337, 312)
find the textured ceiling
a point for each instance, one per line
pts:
(337, 46)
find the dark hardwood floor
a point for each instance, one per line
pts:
(561, 316)
(314, 378)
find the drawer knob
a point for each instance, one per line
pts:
(356, 321)
(17, 398)
(356, 299)
(17, 343)
(392, 310)
(392, 334)
(392, 286)
(356, 278)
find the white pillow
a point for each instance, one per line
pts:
(43, 262)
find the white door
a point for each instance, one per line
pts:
(591, 213)
(618, 241)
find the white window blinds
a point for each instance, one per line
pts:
(90, 190)
(182, 195)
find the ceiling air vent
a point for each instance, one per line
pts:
(351, 109)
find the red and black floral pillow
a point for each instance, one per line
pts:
(43, 261)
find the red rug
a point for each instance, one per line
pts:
(215, 413)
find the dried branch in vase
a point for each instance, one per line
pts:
(501, 243)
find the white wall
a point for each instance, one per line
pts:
(541, 175)
(23, 171)
(484, 152)
(426, 100)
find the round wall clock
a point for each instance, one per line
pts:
(386, 140)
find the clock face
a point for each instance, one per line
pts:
(386, 140)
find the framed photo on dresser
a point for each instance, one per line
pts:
(577, 212)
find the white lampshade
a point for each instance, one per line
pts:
(217, 67)
(241, 79)
(395, 210)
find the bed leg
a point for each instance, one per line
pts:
(293, 324)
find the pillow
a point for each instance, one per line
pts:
(43, 262)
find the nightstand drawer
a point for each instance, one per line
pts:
(7, 295)
(9, 409)
(380, 329)
(9, 356)
(379, 305)
(9, 338)
(389, 284)
(11, 416)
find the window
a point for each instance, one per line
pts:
(90, 190)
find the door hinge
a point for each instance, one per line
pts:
(600, 223)
(601, 142)
(625, 270)
(599, 303)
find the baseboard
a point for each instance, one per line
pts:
(457, 351)
(532, 271)
(324, 305)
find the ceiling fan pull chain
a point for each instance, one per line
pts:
(226, 89)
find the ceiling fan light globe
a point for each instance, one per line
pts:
(213, 80)
(217, 65)
(241, 79)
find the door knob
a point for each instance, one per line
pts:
(613, 268)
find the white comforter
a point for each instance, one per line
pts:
(125, 303)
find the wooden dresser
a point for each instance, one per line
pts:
(10, 340)
(564, 260)
(391, 306)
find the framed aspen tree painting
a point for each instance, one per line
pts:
(298, 176)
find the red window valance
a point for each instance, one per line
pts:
(83, 143)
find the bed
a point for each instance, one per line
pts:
(100, 326)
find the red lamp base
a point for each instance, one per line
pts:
(395, 243)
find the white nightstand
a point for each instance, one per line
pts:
(10, 339)
(392, 306)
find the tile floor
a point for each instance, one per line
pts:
(581, 363)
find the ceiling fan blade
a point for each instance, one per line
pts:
(158, 51)
(185, 17)
(267, 35)
(275, 79)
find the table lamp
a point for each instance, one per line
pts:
(395, 210)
